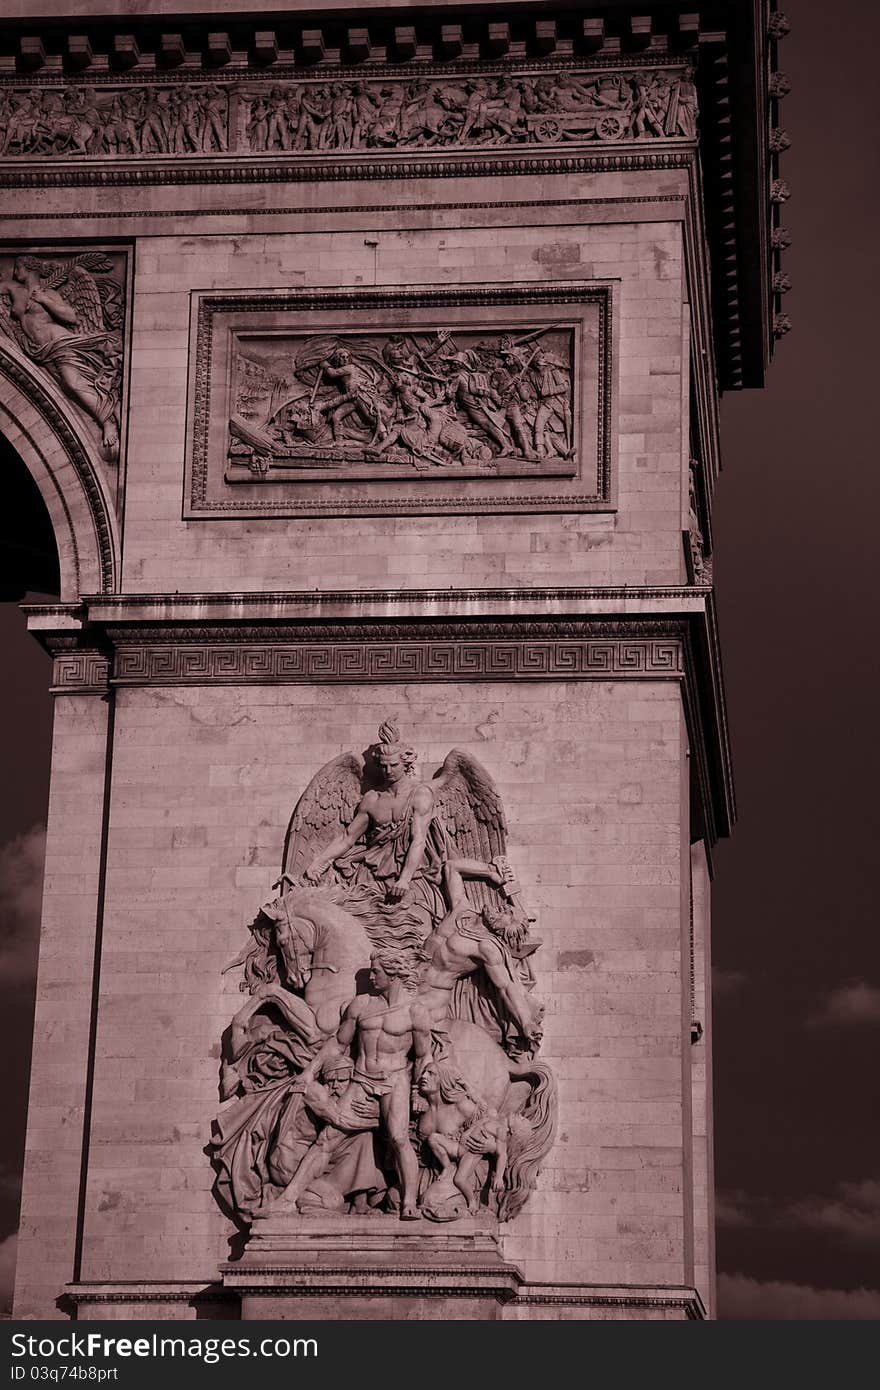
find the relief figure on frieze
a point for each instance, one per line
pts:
(422, 401)
(471, 109)
(385, 1058)
(79, 120)
(448, 111)
(66, 314)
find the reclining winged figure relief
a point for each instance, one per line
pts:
(385, 1057)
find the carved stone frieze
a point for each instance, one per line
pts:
(399, 111)
(299, 400)
(424, 1096)
(87, 122)
(66, 312)
(390, 401)
(470, 109)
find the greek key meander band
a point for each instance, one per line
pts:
(344, 662)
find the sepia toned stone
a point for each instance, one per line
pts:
(390, 348)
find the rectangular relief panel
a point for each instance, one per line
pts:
(365, 402)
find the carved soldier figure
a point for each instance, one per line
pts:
(293, 116)
(514, 391)
(398, 355)
(364, 114)
(681, 115)
(258, 125)
(387, 126)
(471, 389)
(276, 129)
(357, 394)
(187, 127)
(337, 129)
(315, 108)
(651, 93)
(21, 123)
(389, 1032)
(122, 131)
(154, 133)
(214, 111)
(553, 385)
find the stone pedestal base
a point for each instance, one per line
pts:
(370, 1268)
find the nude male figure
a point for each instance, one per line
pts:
(465, 940)
(389, 1033)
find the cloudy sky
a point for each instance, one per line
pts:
(797, 950)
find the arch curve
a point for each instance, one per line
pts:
(67, 469)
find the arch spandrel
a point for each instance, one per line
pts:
(67, 469)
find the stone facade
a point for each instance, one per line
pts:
(497, 258)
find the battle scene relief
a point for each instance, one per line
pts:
(438, 111)
(385, 1057)
(407, 402)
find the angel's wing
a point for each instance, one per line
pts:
(10, 326)
(467, 804)
(82, 292)
(326, 807)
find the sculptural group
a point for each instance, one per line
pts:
(471, 109)
(385, 1057)
(423, 400)
(77, 120)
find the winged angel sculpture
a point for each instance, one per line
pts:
(384, 1059)
(66, 315)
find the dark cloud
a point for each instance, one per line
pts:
(849, 1216)
(852, 1214)
(21, 895)
(851, 1005)
(753, 1300)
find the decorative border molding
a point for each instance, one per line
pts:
(341, 209)
(383, 498)
(254, 170)
(455, 660)
(80, 673)
(690, 1302)
(678, 646)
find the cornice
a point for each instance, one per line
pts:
(733, 44)
(253, 169)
